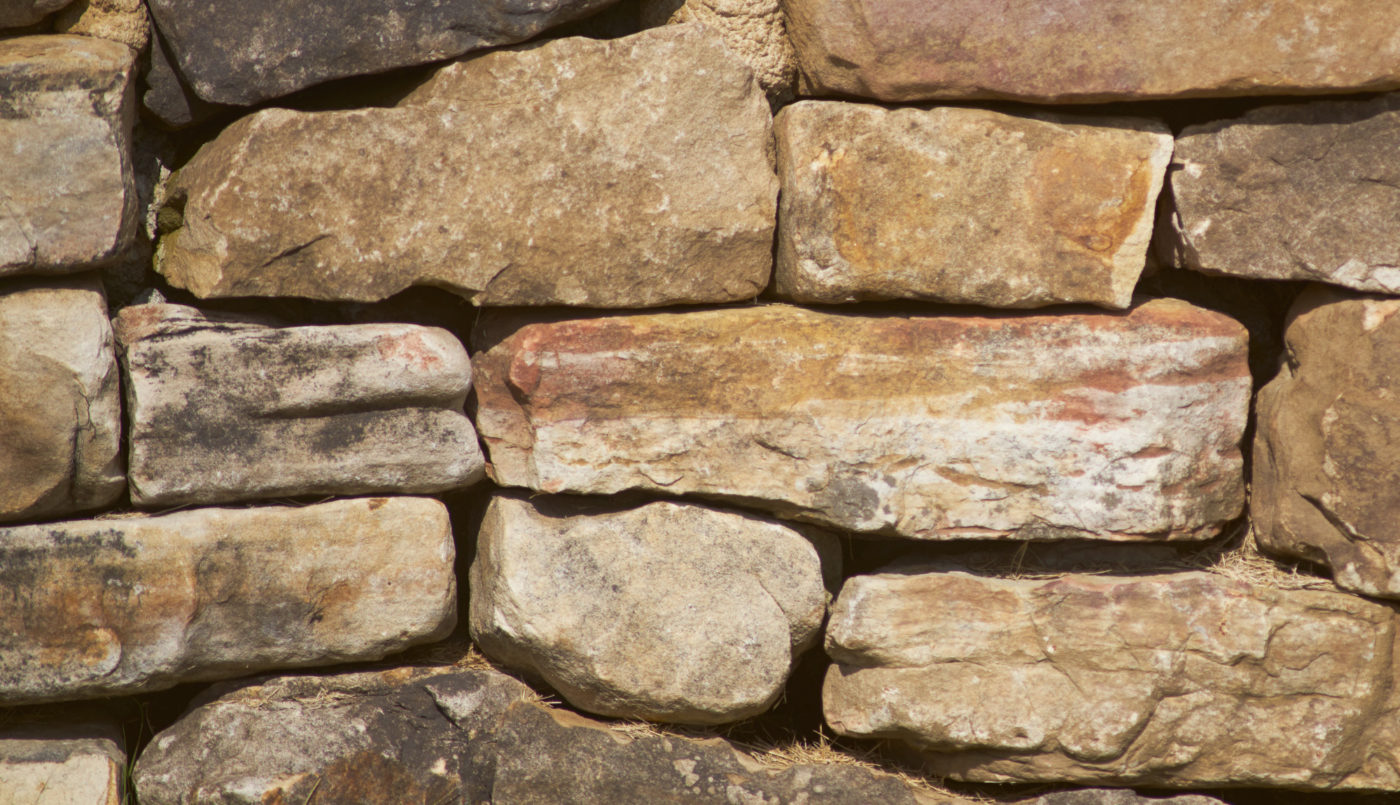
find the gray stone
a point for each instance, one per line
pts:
(1297, 192)
(80, 763)
(242, 52)
(67, 104)
(667, 612)
(226, 408)
(98, 608)
(625, 173)
(19, 13)
(60, 406)
(964, 205)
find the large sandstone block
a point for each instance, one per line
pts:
(1099, 425)
(1180, 680)
(1296, 192)
(226, 408)
(97, 608)
(964, 205)
(668, 612)
(246, 51)
(1326, 468)
(626, 173)
(60, 406)
(61, 764)
(68, 106)
(1069, 51)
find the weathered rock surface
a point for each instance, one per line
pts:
(753, 29)
(61, 764)
(1326, 467)
(1296, 192)
(668, 611)
(1101, 425)
(245, 51)
(445, 735)
(1172, 680)
(964, 205)
(67, 105)
(60, 407)
(103, 607)
(19, 13)
(1067, 51)
(224, 408)
(1117, 796)
(166, 96)
(124, 21)
(624, 173)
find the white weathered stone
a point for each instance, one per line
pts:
(61, 764)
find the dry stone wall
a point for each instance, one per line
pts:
(730, 401)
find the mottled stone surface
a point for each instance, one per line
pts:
(1069, 51)
(1296, 192)
(19, 13)
(61, 764)
(964, 205)
(224, 408)
(105, 607)
(67, 104)
(1326, 464)
(1187, 679)
(1100, 425)
(245, 51)
(624, 173)
(753, 29)
(60, 405)
(124, 21)
(668, 611)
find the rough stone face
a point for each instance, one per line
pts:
(67, 105)
(626, 173)
(1068, 51)
(668, 612)
(70, 764)
(445, 735)
(1117, 796)
(60, 407)
(964, 205)
(105, 607)
(1326, 469)
(124, 21)
(242, 52)
(225, 408)
(19, 13)
(1187, 679)
(753, 29)
(1297, 192)
(1099, 425)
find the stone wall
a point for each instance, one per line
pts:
(846, 401)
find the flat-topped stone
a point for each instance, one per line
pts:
(63, 762)
(1108, 426)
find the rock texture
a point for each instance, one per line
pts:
(753, 29)
(19, 13)
(246, 51)
(446, 735)
(1297, 192)
(225, 408)
(60, 407)
(106, 607)
(1187, 679)
(67, 105)
(1106, 426)
(124, 21)
(1326, 469)
(1067, 51)
(668, 612)
(61, 764)
(632, 172)
(964, 205)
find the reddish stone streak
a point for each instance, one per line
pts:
(409, 349)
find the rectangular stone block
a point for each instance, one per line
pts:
(1180, 680)
(58, 763)
(229, 408)
(1106, 426)
(964, 205)
(96, 608)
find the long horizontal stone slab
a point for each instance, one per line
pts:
(1295, 192)
(95, 608)
(634, 172)
(1100, 425)
(1069, 51)
(1180, 680)
(60, 401)
(225, 408)
(67, 106)
(964, 205)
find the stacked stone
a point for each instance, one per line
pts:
(729, 339)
